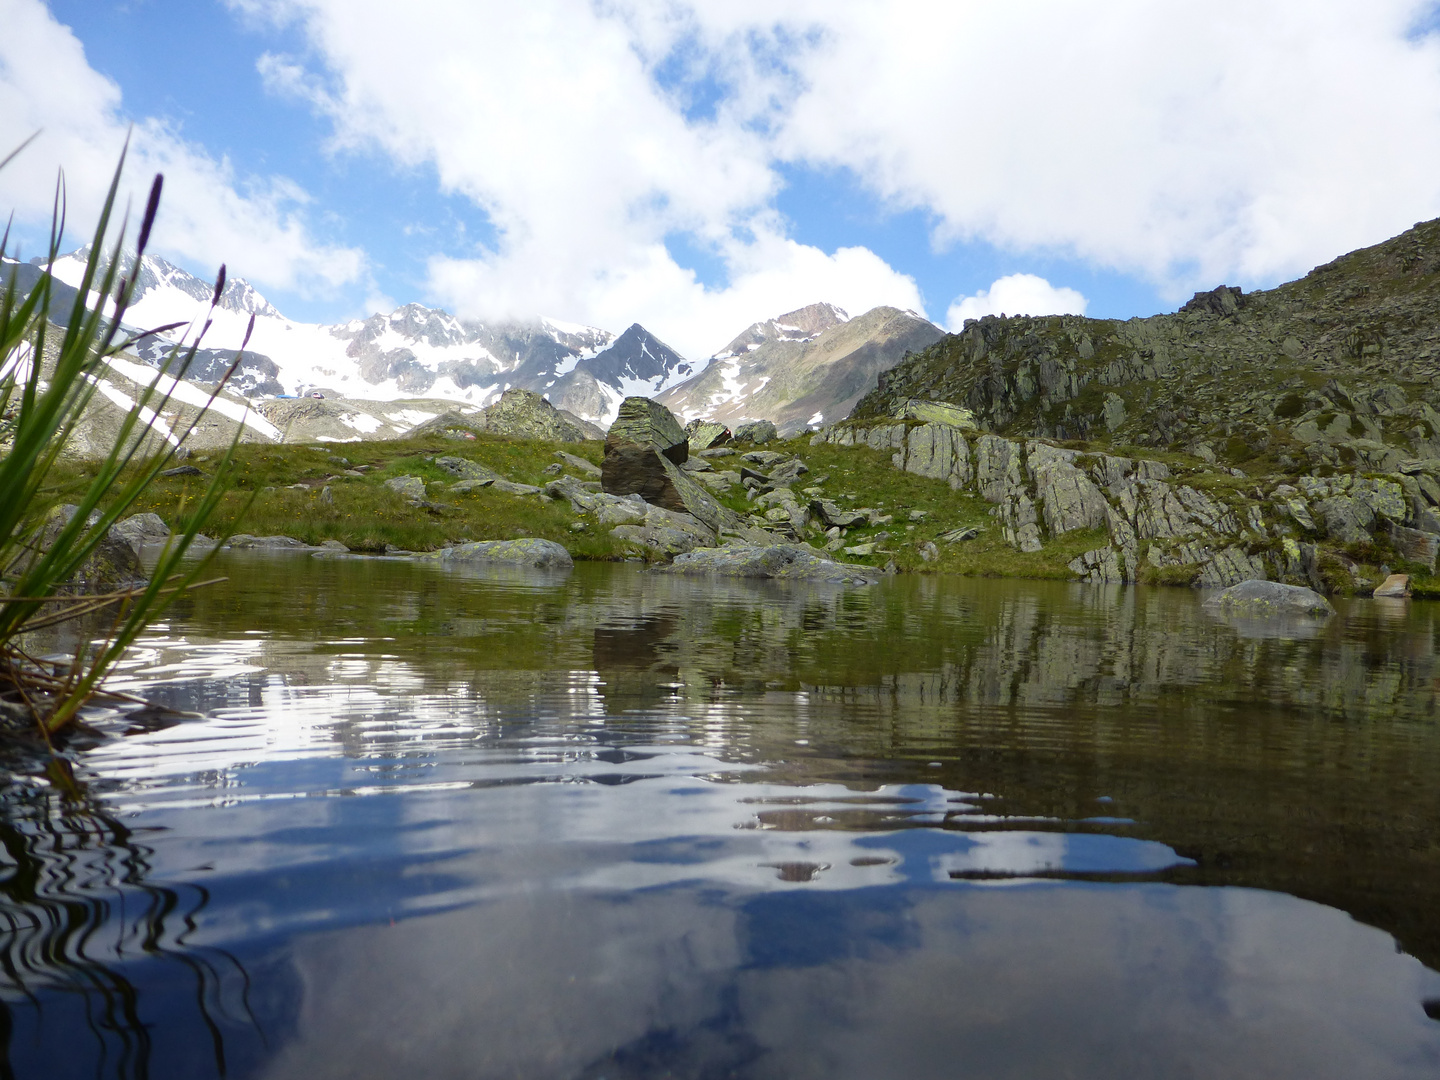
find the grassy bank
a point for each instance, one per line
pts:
(284, 487)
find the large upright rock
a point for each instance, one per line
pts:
(644, 450)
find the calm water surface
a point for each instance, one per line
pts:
(615, 824)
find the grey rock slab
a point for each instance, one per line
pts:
(579, 464)
(246, 542)
(141, 529)
(527, 551)
(407, 487)
(758, 432)
(466, 469)
(1263, 599)
(783, 562)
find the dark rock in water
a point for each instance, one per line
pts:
(181, 470)
(528, 551)
(113, 564)
(760, 431)
(246, 542)
(780, 561)
(1270, 599)
(704, 434)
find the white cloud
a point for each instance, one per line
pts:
(549, 117)
(1149, 138)
(1015, 294)
(209, 213)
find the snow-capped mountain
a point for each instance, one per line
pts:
(801, 369)
(414, 351)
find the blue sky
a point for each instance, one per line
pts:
(697, 166)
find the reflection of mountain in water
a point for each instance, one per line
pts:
(1300, 765)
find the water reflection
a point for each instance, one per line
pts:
(86, 933)
(619, 824)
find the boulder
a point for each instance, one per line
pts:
(831, 516)
(705, 434)
(757, 431)
(666, 532)
(644, 450)
(1416, 545)
(784, 562)
(141, 529)
(466, 469)
(528, 551)
(1270, 599)
(407, 487)
(1396, 585)
(113, 564)
(524, 414)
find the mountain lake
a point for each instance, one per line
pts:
(617, 824)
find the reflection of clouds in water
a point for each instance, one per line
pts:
(1090, 981)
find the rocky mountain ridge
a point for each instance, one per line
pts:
(802, 369)
(1291, 433)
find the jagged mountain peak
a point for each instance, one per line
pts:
(798, 325)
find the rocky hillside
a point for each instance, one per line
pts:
(802, 369)
(1290, 433)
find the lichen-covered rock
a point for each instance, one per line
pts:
(524, 414)
(1270, 599)
(1099, 567)
(705, 434)
(247, 542)
(944, 413)
(528, 551)
(408, 487)
(783, 562)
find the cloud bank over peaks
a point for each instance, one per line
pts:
(1015, 294)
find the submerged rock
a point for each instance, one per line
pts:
(528, 551)
(1270, 599)
(785, 562)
